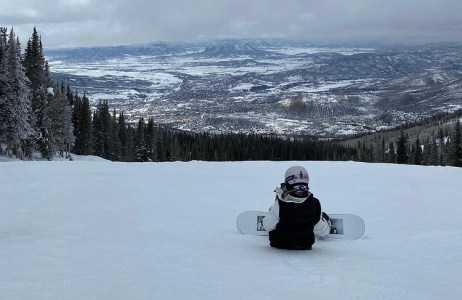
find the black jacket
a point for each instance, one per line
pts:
(296, 222)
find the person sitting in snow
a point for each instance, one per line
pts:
(295, 217)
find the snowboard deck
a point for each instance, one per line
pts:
(344, 226)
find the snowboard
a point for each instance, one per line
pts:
(344, 226)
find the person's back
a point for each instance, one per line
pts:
(295, 213)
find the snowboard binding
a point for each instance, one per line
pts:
(333, 228)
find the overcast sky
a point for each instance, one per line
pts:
(67, 23)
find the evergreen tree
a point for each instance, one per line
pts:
(61, 121)
(41, 85)
(151, 141)
(391, 153)
(34, 63)
(130, 144)
(434, 152)
(175, 150)
(45, 125)
(123, 137)
(115, 148)
(401, 149)
(82, 122)
(4, 104)
(15, 104)
(98, 145)
(76, 115)
(102, 130)
(70, 96)
(3, 41)
(457, 145)
(383, 157)
(140, 143)
(377, 149)
(427, 152)
(430, 153)
(417, 152)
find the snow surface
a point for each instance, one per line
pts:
(102, 230)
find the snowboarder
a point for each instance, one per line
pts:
(295, 217)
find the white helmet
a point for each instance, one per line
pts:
(296, 175)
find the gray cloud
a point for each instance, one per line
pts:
(85, 22)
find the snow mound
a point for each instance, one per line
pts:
(92, 158)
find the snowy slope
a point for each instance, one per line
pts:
(102, 230)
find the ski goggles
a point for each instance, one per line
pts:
(297, 178)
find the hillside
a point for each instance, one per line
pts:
(102, 230)
(437, 132)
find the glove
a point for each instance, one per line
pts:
(322, 228)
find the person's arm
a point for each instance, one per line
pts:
(322, 227)
(272, 220)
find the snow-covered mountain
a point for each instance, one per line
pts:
(256, 85)
(84, 55)
(102, 230)
(233, 49)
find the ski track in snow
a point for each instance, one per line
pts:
(102, 230)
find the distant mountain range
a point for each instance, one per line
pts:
(272, 86)
(235, 49)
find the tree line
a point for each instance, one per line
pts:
(35, 113)
(443, 147)
(108, 135)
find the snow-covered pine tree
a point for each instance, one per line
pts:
(34, 63)
(3, 41)
(76, 108)
(19, 129)
(37, 71)
(44, 125)
(4, 112)
(69, 95)
(61, 121)
(68, 138)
